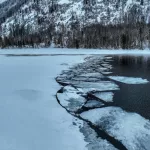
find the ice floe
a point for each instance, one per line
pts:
(98, 86)
(105, 96)
(129, 80)
(86, 79)
(93, 103)
(130, 128)
(70, 98)
(93, 74)
(107, 65)
(106, 72)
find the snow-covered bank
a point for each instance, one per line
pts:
(30, 117)
(61, 51)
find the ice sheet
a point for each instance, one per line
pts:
(31, 118)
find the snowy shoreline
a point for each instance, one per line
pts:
(66, 51)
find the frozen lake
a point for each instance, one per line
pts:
(106, 98)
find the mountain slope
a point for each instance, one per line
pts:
(40, 13)
(75, 23)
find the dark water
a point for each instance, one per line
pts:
(133, 98)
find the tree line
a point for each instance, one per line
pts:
(125, 36)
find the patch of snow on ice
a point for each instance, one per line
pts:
(129, 80)
(130, 128)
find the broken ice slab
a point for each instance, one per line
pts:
(129, 80)
(93, 103)
(70, 98)
(86, 79)
(98, 86)
(129, 128)
(95, 142)
(105, 96)
(106, 72)
(93, 74)
(108, 57)
(107, 66)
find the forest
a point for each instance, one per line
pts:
(131, 32)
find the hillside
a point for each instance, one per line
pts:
(37, 16)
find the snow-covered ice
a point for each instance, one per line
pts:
(105, 96)
(130, 128)
(95, 142)
(99, 86)
(30, 116)
(129, 80)
(95, 74)
(70, 99)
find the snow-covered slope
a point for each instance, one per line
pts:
(41, 13)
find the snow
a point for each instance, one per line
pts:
(31, 118)
(105, 96)
(129, 128)
(129, 80)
